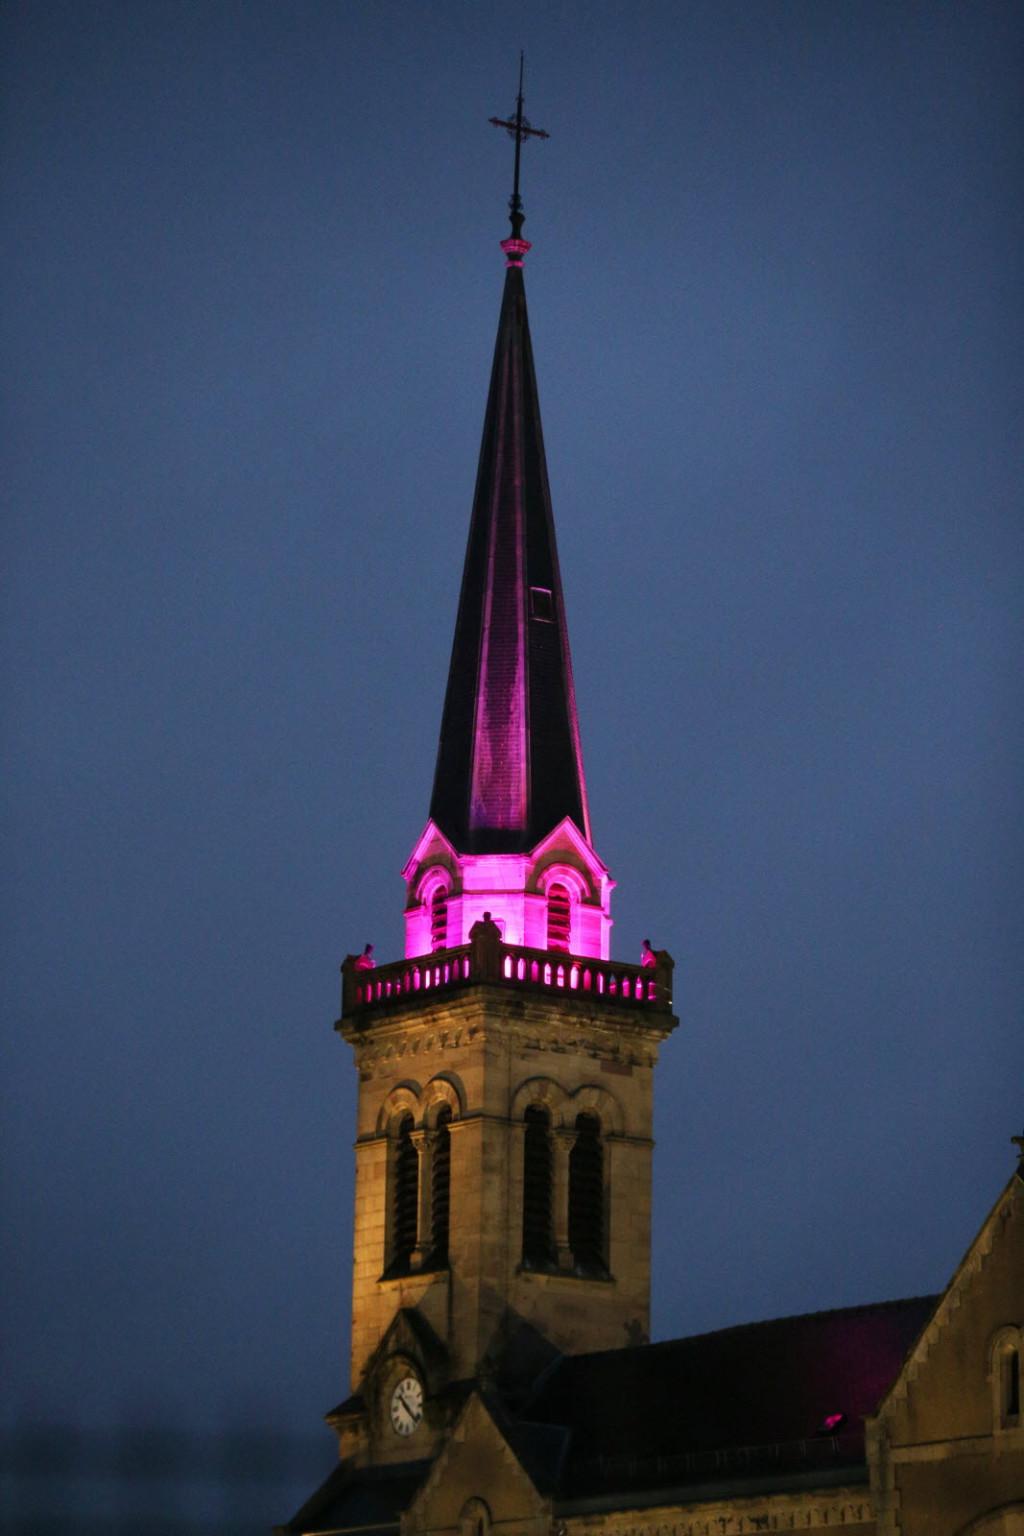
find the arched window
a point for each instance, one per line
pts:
(474, 1518)
(440, 1188)
(439, 919)
(1004, 1376)
(559, 917)
(586, 1197)
(1009, 1386)
(404, 1197)
(538, 1238)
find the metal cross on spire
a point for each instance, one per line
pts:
(519, 129)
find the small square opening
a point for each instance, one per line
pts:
(542, 605)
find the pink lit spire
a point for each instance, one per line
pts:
(509, 832)
(509, 766)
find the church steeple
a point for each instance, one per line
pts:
(509, 829)
(509, 766)
(505, 1062)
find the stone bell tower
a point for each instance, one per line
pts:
(503, 1150)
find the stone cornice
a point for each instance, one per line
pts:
(502, 1003)
(484, 1014)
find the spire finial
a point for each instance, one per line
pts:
(518, 128)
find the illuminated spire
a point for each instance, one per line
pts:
(509, 766)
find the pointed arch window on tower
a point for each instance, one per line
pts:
(405, 1171)
(439, 919)
(586, 1198)
(440, 1189)
(538, 1179)
(559, 917)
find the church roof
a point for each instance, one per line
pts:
(509, 765)
(764, 1406)
(364, 1499)
(757, 1400)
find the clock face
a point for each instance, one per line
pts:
(406, 1405)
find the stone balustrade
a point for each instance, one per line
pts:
(488, 960)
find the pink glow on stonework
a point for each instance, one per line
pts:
(514, 888)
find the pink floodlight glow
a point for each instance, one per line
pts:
(515, 889)
(833, 1421)
(499, 747)
(515, 250)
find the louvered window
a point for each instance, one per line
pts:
(538, 1238)
(439, 919)
(440, 1188)
(586, 1197)
(558, 917)
(405, 1193)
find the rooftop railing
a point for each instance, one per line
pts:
(486, 959)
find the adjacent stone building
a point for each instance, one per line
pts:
(502, 1377)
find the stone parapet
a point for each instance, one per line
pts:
(514, 966)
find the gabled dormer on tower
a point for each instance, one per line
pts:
(509, 828)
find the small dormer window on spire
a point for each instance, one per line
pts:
(542, 605)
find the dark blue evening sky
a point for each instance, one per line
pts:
(251, 287)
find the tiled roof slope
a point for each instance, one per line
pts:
(509, 766)
(744, 1400)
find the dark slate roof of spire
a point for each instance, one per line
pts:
(509, 766)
